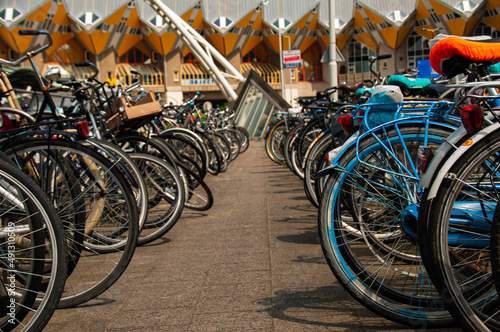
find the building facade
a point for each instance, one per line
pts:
(124, 35)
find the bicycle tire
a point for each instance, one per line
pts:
(461, 269)
(275, 140)
(132, 142)
(244, 137)
(290, 139)
(313, 161)
(234, 141)
(165, 186)
(215, 157)
(112, 226)
(361, 230)
(199, 197)
(189, 149)
(44, 258)
(224, 146)
(191, 135)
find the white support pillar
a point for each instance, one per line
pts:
(281, 27)
(201, 49)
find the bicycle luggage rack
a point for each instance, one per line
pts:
(378, 116)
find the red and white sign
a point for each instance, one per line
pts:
(292, 59)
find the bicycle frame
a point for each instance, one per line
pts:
(474, 227)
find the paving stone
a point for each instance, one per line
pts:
(251, 263)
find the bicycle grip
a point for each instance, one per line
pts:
(384, 56)
(82, 64)
(29, 32)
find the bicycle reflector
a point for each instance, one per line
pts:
(472, 117)
(82, 128)
(346, 121)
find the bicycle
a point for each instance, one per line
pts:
(461, 191)
(73, 175)
(33, 253)
(366, 220)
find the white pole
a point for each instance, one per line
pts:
(281, 62)
(333, 50)
(290, 70)
(195, 43)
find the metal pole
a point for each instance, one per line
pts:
(333, 50)
(290, 70)
(281, 62)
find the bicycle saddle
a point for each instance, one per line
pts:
(304, 101)
(410, 83)
(352, 87)
(453, 55)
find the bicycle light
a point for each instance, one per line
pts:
(82, 128)
(472, 117)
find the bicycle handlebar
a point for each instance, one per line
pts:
(383, 56)
(31, 53)
(134, 85)
(372, 60)
(190, 100)
(91, 65)
(29, 32)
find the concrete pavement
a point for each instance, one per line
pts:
(251, 263)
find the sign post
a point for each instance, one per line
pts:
(291, 59)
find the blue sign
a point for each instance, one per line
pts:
(425, 69)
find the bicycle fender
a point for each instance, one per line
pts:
(310, 147)
(442, 171)
(335, 154)
(328, 171)
(272, 125)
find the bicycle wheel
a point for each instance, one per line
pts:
(198, 195)
(244, 137)
(315, 157)
(129, 170)
(132, 142)
(225, 148)
(315, 161)
(290, 139)
(495, 248)
(367, 227)
(189, 151)
(215, 155)
(275, 141)
(234, 142)
(166, 196)
(306, 139)
(458, 226)
(194, 137)
(111, 220)
(33, 253)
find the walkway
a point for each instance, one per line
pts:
(251, 263)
